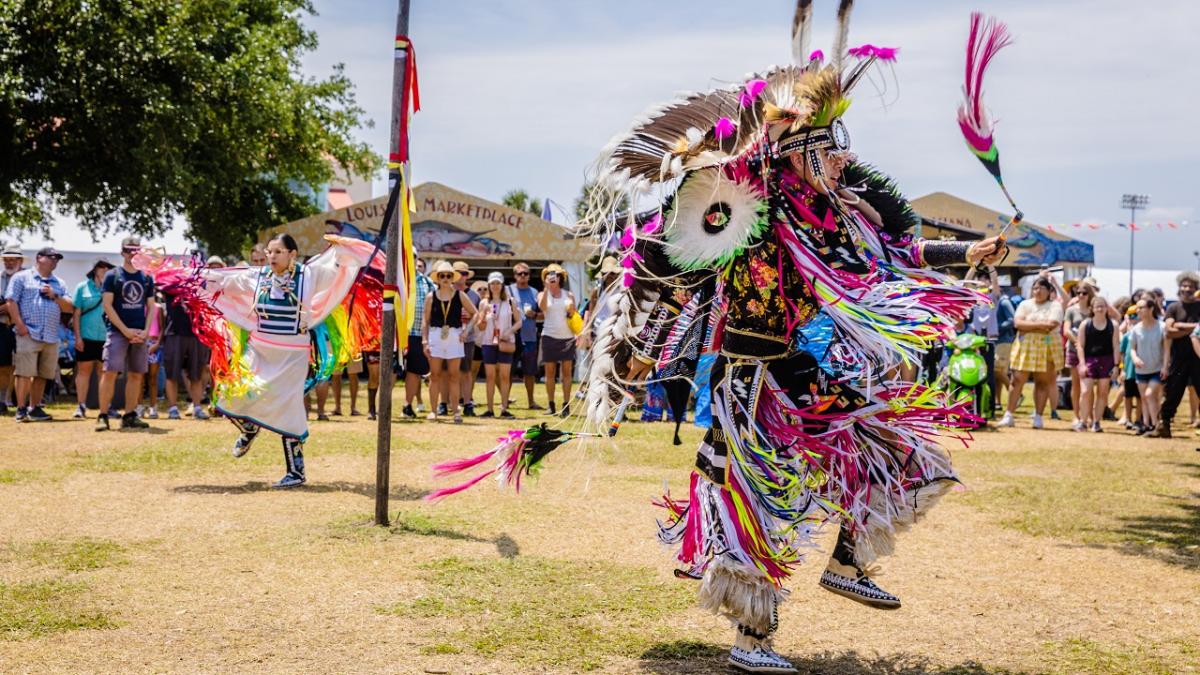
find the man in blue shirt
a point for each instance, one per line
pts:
(36, 304)
(527, 348)
(128, 302)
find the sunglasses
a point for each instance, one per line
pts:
(552, 276)
(445, 275)
(522, 274)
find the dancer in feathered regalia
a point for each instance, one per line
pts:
(793, 261)
(270, 326)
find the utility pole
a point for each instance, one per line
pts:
(1133, 203)
(387, 344)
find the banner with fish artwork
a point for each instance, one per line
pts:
(447, 223)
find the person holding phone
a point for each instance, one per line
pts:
(36, 302)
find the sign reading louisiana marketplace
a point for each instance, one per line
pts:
(447, 224)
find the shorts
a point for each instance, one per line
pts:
(1146, 378)
(469, 354)
(555, 350)
(529, 358)
(1131, 389)
(354, 367)
(492, 355)
(449, 347)
(35, 358)
(372, 358)
(180, 349)
(153, 357)
(8, 344)
(93, 350)
(122, 357)
(1072, 356)
(1003, 355)
(415, 361)
(1099, 367)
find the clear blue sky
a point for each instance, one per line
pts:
(1094, 98)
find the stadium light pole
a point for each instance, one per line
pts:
(1133, 203)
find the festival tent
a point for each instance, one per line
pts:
(1031, 246)
(452, 225)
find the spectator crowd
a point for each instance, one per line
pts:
(123, 343)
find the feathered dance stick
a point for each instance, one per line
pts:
(988, 36)
(519, 452)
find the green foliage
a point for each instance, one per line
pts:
(38, 608)
(132, 112)
(549, 612)
(520, 200)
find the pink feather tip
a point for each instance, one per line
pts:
(627, 280)
(817, 55)
(750, 92)
(627, 237)
(653, 225)
(724, 128)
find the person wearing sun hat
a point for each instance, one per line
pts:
(447, 310)
(14, 262)
(558, 340)
(36, 302)
(90, 330)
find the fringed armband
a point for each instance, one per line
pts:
(940, 253)
(653, 337)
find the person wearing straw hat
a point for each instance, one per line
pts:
(36, 302)
(446, 311)
(90, 331)
(14, 261)
(558, 340)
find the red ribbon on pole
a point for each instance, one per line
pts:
(412, 91)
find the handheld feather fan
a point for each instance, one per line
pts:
(988, 36)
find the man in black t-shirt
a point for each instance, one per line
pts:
(1182, 366)
(183, 354)
(128, 297)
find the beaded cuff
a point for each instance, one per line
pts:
(939, 253)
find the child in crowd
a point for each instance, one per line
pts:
(1097, 347)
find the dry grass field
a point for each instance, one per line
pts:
(157, 552)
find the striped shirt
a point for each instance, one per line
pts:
(424, 288)
(278, 302)
(41, 314)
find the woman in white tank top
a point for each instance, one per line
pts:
(558, 342)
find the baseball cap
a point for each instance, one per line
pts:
(50, 252)
(131, 242)
(496, 277)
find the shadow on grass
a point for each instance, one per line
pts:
(401, 493)
(1171, 538)
(683, 657)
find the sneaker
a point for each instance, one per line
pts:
(441, 410)
(3, 410)
(38, 415)
(322, 417)
(21, 416)
(550, 408)
(355, 413)
(288, 481)
(1037, 422)
(200, 414)
(1137, 429)
(102, 422)
(1006, 421)
(432, 417)
(468, 410)
(173, 413)
(336, 412)
(372, 417)
(761, 659)
(1096, 428)
(1077, 425)
(1147, 430)
(152, 413)
(130, 420)
(860, 589)
(486, 414)
(1163, 430)
(407, 412)
(458, 417)
(566, 411)
(80, 412)
(534, 406)
(1054, 415)
(506, 415)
